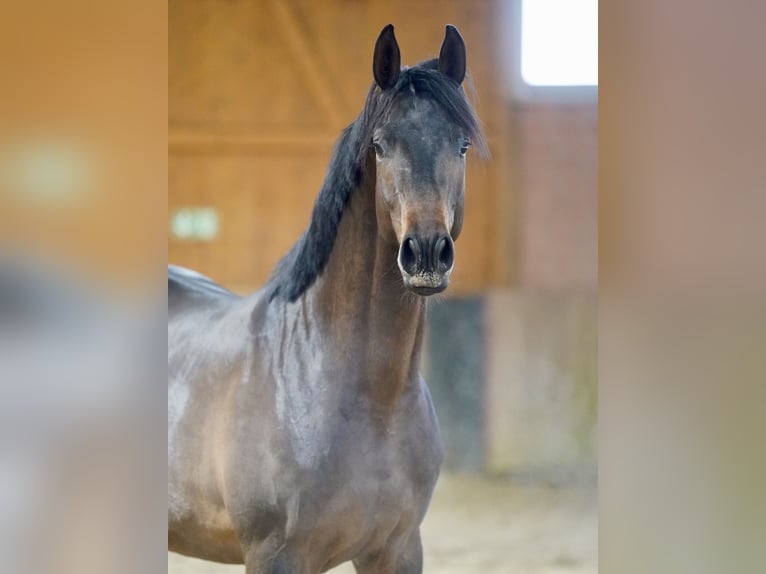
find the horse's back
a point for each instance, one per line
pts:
(187, 286)
(205, 318)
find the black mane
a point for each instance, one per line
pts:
(298, 270)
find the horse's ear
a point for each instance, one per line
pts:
(387, 61)
(452, 55)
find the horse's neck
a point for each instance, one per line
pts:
(371, 318)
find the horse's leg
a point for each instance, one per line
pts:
(404, 561)
(262, 559)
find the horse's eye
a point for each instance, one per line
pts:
(465, 144)
(378, 149)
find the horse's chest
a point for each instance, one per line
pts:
(363, 518)
(344, 485)
(373, 498)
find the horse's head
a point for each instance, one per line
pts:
(420, 144)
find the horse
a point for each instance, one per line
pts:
(300, 432)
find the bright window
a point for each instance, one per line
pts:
(559, 42)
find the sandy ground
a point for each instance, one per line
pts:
(480, 526)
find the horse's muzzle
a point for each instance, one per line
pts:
(426, 262)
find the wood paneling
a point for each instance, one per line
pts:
(258, 92)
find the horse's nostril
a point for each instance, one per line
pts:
(409, 255)
(444, 253)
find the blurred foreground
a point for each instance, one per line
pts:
(481, 526)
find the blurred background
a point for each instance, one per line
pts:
(83, 178)
(258, 92)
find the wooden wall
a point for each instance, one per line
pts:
(259, 91)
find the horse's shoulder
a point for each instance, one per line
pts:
(185, 284)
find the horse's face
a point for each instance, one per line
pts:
(420, 171)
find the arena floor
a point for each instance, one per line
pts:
(490, 527)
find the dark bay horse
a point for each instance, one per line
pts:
(300, 432)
